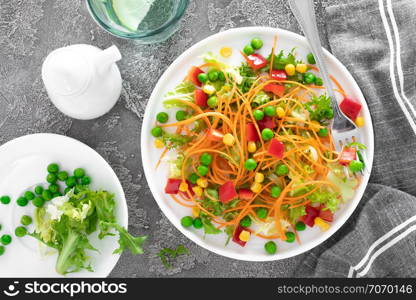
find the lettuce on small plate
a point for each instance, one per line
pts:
(86, 231)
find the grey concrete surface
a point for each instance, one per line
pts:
(30, 29)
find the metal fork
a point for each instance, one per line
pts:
(344, 131)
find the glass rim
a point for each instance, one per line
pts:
(179, 13)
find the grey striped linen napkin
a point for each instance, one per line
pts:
(376, 40)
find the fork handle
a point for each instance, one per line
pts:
(304, 12)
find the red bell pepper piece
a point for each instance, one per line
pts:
(256, 61)
(347, 155)
(278, 75)
(276, 148)
(227, 192)
(251, 133)
(236, 236)
(215, 135)
(245, 194)
(172, 186)
(267, 122)
(350, 108)
(311, 214)
(277, 89)
(325, 214)
(193, 75)
(200, 98)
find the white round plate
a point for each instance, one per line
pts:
(237, 39)
(23, 163)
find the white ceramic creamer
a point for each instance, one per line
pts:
(83, 81)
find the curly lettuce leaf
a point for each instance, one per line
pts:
(183, 91)
(126, 240)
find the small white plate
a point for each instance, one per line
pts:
(237, 39)
(23, 165)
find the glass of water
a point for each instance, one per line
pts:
(147, 21)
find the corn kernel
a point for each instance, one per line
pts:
(359, 122)
(301, 68)
(228, 139)
(183, 187)
(324, 226)
(226, 51)
(202, 182)
(209, 89)
(259, 177)
(315, 125)
(256, 187)
(290, 69)
(195, 211)
(198, 190)
(226, 88)
(280, 112)
(244, 236)
(159, 144)
(251, 147)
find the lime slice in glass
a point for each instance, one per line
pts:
(131, 12)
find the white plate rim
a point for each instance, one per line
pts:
(145, 134)
(122, 202)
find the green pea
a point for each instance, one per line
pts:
(212, 101)
(187, 221)
(202, 77)
(162, 117)
(197, 223)
(206, 159)
(51, 178)
(181, 115)
(157, 131)
(79, 172)
(53, 168)
(311, 58)
(262, 212)
(300, 226)
(323, 132)
(86, 180)
(47, 195)
(22, 201)
(193, 178)
(290, 237)
(213, 75)
(26, 220)
(2, 250)
(270, 111)
(267, 134)
(29, 195)
(281, 170)
(256, 43)
(5, 199)
(20, 231)
(309, 77)
(270, 247)
(6, 239)
(258, 114)
(356, 166)
(71, 181)
(38, 201)
(78, 188)
(245, 222)
(39, 190)
(250, 164)
(62, 176)
(53, 188)
(275, 191)
(221, 76)
(319, 81)
(202, 170)
(248, 50)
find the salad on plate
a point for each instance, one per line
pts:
(253, 153)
